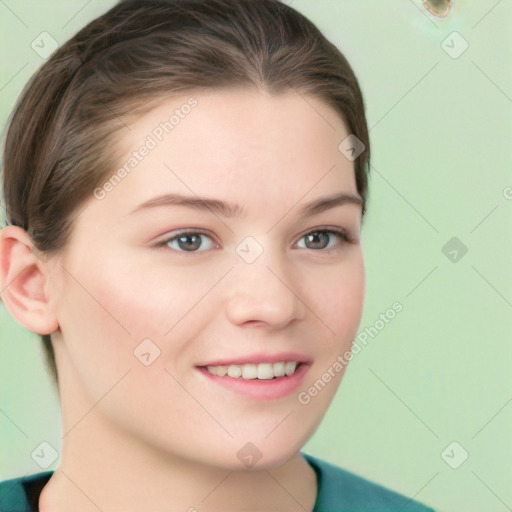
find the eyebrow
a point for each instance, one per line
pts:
(230, 210)
(326, 203)
(215, 206)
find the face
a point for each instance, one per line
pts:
(231, 244)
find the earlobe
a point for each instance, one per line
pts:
(23, 282)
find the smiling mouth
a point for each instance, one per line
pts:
(262, 371)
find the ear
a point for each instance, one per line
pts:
(24, 282)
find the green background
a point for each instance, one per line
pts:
(440, 371)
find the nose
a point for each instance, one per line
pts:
(265, 293)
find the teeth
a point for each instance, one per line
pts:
(235, 371)
(289, 368)
(249, 371)
(221, 370)
(279, 369)
(263, 371)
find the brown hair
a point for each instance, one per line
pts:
(58, 147)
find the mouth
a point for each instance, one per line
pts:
(267, 380)
(262, 371)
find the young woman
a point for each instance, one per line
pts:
(185, 183)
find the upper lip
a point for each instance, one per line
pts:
(259, 358)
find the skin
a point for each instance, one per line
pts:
(162, 437)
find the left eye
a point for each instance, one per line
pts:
(321, 240)
(189, 242)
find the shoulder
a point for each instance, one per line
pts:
(340, 490)
(22, 494)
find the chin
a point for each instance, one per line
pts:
(266, 454)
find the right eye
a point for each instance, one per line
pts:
(189, 241)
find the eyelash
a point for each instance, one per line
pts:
(343, 234)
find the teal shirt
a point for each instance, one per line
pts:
(338, 491)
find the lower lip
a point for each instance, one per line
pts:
(271, 389)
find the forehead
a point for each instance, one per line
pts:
(237, 145)
(240, 132)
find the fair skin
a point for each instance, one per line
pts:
(165, 436)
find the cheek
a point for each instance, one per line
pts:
(96, 319)
(338, 297)
(109, 310)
